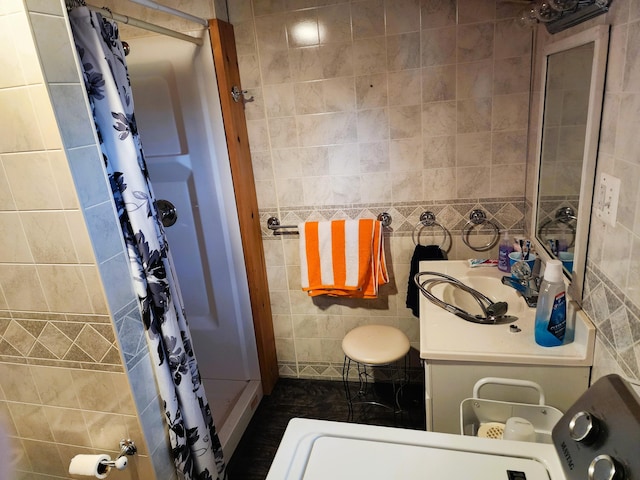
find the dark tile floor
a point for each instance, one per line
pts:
(324, 400)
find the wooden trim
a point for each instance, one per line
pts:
(235, 125)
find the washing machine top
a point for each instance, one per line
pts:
(598, 438)
(316, 449)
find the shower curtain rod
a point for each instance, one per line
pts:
(171, 11)
(134, 22)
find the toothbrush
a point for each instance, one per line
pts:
(526, 257)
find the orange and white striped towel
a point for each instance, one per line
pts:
(342, 258)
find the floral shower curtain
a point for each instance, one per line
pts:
(195, 444)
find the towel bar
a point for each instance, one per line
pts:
(273, 223)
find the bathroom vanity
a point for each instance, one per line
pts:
(457, 353)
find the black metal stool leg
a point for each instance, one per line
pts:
(346, 366)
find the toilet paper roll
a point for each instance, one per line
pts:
(89, 465)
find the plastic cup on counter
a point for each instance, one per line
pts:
(567, 260)
(514, 257)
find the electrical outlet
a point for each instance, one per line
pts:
(608, 191)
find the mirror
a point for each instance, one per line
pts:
(573, 72)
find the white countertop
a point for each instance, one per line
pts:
(444, 336)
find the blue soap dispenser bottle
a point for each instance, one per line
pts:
(551, 311)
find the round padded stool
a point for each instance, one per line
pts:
(370, 346)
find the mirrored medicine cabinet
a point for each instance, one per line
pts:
(573, 75)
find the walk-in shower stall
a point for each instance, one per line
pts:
(180, 123)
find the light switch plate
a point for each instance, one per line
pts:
(608, 191)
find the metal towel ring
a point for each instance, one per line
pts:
(478, 217)
(427, 219)
(564, 215)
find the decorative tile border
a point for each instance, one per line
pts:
(453, 215)
(60, 340)
(333, 371)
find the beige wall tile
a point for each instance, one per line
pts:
(375, 187)
(439, 152)
(308, 98)
(473, 11)
(511, 40)
(404, 154)
(403, 51)
(32, 181)
(475, 42)
(507, 180)
(402, 16)
(339, 94)
(55, 386)
(509, 147)
(68, 426)
(301, 30)
(46, 118)
(18, 384)
(406, 186)
(45, 458)
(368, 18)
(438, 46)
(17, 120)
(439, 183)
(370, 55)
(371, 91)
(405, 121)
(473, 149)
(64, 288)
(439, 83)
(439, 118)
(327, 129)
(474, 79)
(274, 66)
(334, 26)
(510, 112)
(13, 239)
(373, 124)
(25, 48)
(13, 279)
(289, 191)
(41, 228)
(313, 161)
(10, 66)
(438, 13)
(95, 289)
(374, 157)
(404, 87)
(336, 59)
(475, 115)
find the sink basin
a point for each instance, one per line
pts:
(445, 336)
(489, 286)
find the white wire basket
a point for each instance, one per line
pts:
(487, 418)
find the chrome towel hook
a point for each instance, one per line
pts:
(236, 93)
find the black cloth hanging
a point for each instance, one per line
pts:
(421, 252)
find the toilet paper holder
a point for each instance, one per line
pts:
(127, 448)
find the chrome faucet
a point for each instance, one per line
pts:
(528, 285)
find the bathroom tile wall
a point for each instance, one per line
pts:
(379, 105)
(64, 388)
(612, 283)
